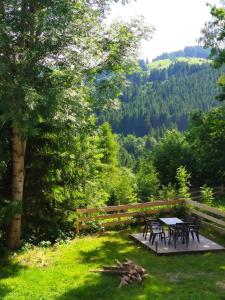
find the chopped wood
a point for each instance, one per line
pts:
(118, 263)
(109, 271)
(128, 272)
(112, 268)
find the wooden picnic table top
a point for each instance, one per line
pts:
(170, 221)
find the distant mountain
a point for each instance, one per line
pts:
(163, 95)
(194, 51)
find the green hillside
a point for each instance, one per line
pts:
(163, 95)
(188, 52)
(165, 63)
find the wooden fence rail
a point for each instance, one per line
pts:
(85, 215)
(208, 213)
(124, 213)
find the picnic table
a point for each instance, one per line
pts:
(170, 221)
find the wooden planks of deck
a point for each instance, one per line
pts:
(160, 248)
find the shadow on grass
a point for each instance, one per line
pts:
(107, 289)
(120, 246)
(169, 275)
(99, 286)
(106, 253)
(8, 268)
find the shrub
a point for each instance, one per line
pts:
(183, 178)
(206, 194)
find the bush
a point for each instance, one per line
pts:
(206, 194)
(183, 178)
(121, 186)
(168, 192)
(147, 180)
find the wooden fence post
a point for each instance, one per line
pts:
(118, 211)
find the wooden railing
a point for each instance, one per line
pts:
(200, 210)
(123, 213)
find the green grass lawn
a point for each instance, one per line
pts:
(63, 272)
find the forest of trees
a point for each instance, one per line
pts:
(63, 143)
(56, 60)
(161, 99)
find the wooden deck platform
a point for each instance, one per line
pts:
(160, 248)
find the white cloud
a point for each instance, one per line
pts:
(178, 22)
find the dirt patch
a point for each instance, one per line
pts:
(221, 285)
(35, 258)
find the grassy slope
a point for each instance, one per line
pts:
(165, 63)
(63, 273)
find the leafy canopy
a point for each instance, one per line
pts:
(214, 38)
(56, 57)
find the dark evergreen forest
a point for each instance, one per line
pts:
(157, 99)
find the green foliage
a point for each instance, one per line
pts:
(62, 173)
(39, 44)
(67, 169)
(168, 192)
(132, 148)
(118, 183)
(60, 64)
(207, 142)
(213, 35)
(44, 244)
(147, 179)
(183, 179)
(8, 210)
(207, 194)
(94, 227)
(162, 98)
(109, 146)
(180, 211)
(122, 187)
(4, 150)
(219, 202)
(200, 150)
(169, 154)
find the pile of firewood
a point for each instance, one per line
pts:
(128, 272)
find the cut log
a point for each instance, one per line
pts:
(118, 263)
(128, 272)
(110, 271)
(112, 268)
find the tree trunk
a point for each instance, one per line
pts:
(18, 172)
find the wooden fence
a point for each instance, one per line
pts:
(122, 213)
(208, 214)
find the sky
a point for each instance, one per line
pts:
(178, 23)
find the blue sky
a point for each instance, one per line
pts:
(178, 23)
